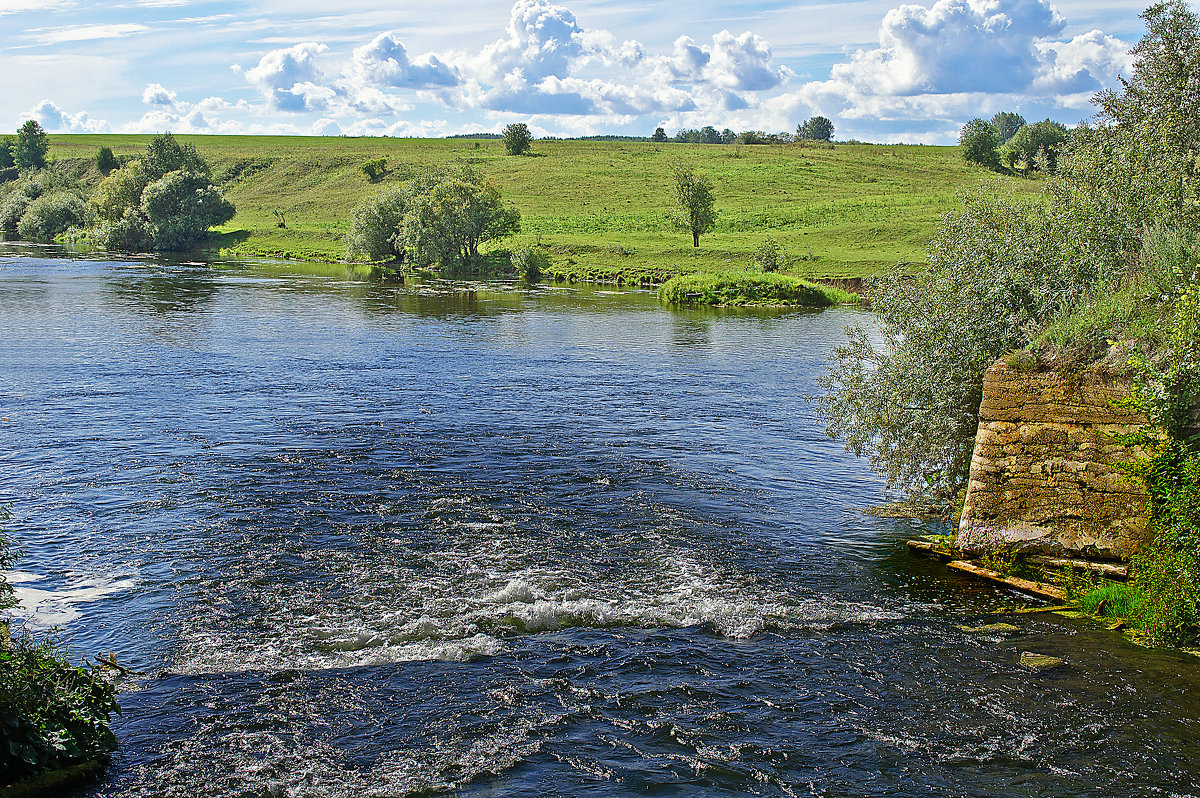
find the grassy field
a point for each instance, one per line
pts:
(599, 208)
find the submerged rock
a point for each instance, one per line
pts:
(1040, 662)
(1006, 628)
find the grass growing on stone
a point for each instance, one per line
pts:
(750, 288)
(599, 209)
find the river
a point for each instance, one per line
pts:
(369, 539)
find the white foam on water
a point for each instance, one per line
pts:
(471, 601)
(47, 607)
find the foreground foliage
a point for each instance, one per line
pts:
(52, 714)
(1002, 270)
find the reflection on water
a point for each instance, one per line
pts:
(372, 538)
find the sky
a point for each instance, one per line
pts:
(883, 71)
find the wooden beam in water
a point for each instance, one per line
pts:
(1024, 585)
(1107, 569)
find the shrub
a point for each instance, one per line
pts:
(51, 215)
(180, 207)
(978, 142)
(105, 160)
(910, 401)
(449, 212)
(375, 169)
(11, 211)
(529, 263)
(438, 219)
(517, 139)
(769, 257)
(374, 233)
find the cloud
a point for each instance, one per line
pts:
(954, 46)
(543, 39)
(1089, 62)
(18, 6)
(157, 94)
(935, 67)
(385, 63)
(727, 62)
(290, 79)
(56, 120)
(83, 33)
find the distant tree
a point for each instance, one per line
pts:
(165, 154)
(165, 201)
(751, 137)
(1007, 123)
(709, 135)
(728, 136)
(181, 206)
(694, 200)
(1035, 147)
(375, 228)
(7, 145)
(32, 146)
(978, 142)
(817, 128)
(689, 135)
(449, 212)
(659, 134)
(517, 139)
(105, 160)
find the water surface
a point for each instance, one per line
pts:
(371, 539)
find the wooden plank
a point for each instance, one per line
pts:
(1024, 585)
(930, 548)
(1107, 569)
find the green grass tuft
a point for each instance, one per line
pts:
(750, 288)
(1120, 600)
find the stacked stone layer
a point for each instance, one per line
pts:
(1044, 476)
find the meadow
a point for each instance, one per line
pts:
(599, 208)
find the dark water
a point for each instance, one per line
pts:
(372, 540)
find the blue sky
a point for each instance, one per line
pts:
(882, 70)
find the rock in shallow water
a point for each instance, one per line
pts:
(1040, 662)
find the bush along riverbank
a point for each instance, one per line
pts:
(54, 716)
(750, 289)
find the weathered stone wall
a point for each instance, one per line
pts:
(1042, 475)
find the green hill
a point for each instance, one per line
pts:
(599, 208)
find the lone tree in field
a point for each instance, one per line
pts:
(693, 202)
(659, 135)
(817, 128)
(32, 146)
(517, 138)
(980, 143)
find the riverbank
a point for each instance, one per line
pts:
(597, 208)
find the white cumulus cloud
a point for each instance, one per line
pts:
(56, 120)
(158, 94)
(291, 79)
(384, 63)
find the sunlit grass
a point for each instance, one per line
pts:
(600, 208)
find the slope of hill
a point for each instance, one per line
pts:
(600, 208)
